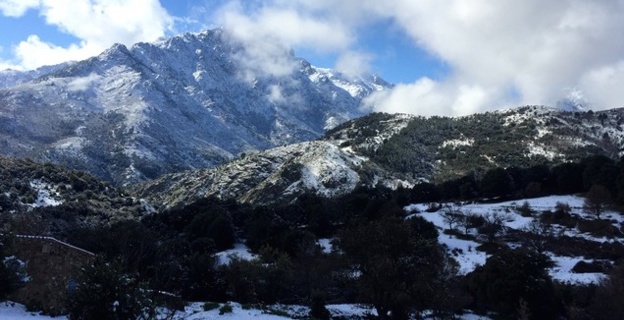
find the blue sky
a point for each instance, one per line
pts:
(393, 55)
(448, 57)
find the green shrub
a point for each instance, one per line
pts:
(598, 228)
(210, 306)
(104, 292)
(589, 267)
(525, 210)
(226, 308)
(249, 306)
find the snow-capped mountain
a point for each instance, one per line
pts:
(10, 77)
(400, 150)
(191, 101)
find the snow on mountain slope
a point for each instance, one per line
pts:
(187, 102)
(10, 77)
(401, 150)
(327, 167)
(559, 132)
(279, 173)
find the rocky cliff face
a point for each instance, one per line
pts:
(192, 101)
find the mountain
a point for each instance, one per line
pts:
(400, 150)
(327, 167)
(191, 101)
(10, 77)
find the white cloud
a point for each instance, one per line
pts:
(536, 47)
(604, 85)
(275, 94)
(354, 63)
(16, 8)
(82, 83)
(428, 97)
(268, 31)
(34, 52)
(422, 97)
(97, 24)
(498, 52)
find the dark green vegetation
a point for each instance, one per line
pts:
(380, 258)
(387, 150)
(441, 148)
(81, 198)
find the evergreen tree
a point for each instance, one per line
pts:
(496, 182)
(399, 271)
(317, 308)
(511, 278)
(105, 293)
(597, 199)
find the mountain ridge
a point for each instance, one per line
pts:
(400, 150)
(132, 114)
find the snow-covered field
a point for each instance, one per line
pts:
(468, 258)
(196, 311)
(16, 311)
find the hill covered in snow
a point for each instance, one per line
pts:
(401, 150)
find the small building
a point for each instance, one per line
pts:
(51, 267)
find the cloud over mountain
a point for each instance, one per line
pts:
(498, 52)
(96, 24)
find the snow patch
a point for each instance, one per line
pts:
(45, 194)
(326, 245)
(240, 251)
(15, 311)
(327, 171)
(539, 150)
(563, 271)
(454, 143)
(71, 143)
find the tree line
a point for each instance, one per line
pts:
(379, 257)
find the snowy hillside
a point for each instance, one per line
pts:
(401, 150)
(274, 175)
(328, 168)
(463, 241)
(10, 78)
(192, 101)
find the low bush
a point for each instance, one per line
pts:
(226, 308)
(210, 306)
(599, 228)
(589, 267)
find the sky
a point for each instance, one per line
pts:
(445, 57)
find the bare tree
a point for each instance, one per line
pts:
(493, 226)
(597, 199)
(538, 234)
(471, 220)
(452, 214)
(525, 209)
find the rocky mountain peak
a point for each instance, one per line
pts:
(190, 101)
